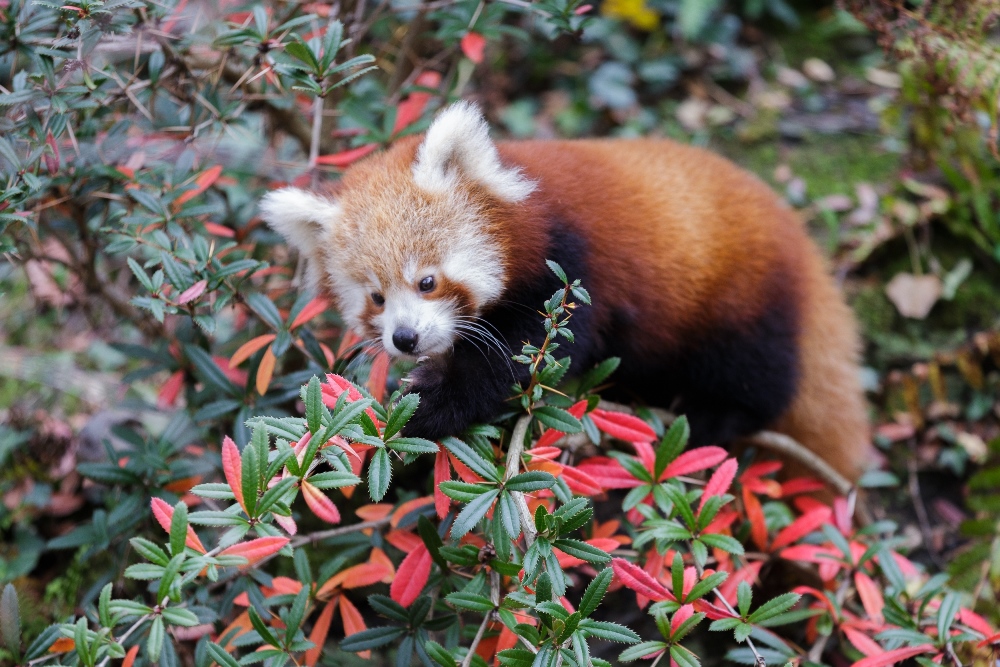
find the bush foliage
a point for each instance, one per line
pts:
(135, 139)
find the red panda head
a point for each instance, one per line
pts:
(409, 244)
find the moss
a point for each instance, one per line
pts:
(827, 164)
(874, 311)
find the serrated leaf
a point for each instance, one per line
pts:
(379, 475)
(472, 513)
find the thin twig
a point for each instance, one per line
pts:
(335, 532)
(514, 450)
(467, 661)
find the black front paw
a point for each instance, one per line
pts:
(436, 417)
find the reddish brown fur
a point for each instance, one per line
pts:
(686, 241)
(693, 242)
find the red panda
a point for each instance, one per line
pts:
(703, 281)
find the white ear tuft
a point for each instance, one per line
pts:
(300, 216)
(458, 143)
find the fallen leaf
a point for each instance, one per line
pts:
(914, 296)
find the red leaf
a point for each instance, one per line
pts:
(403, 540)
(312, 309)
(442, 473)
(635, 578)
(871, 596)
(353, 621)
(345, 158)
(319, 503)
(232, 468)
(249, 348)
(755, 513)
(473, 45)
(256, 550)
(801, 527)
(265, 370)
(192, 293)
(409, 110)
(681, 615)
(219, 230)
(863, 642)
(974, 621)
(694, 460)
(170, 390)
(164, 514)
(579, 482)
(608, 473)
(356, 576)
(319, 632)
(202, 182)
(894, 656)
(378, 375)
(130, 656)
(720, 481)
(622, 426)
(411, 576)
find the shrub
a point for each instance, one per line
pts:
(136, 137)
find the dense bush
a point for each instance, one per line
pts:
(135, 140)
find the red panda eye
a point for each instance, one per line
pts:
(378, 299)
(427, 284)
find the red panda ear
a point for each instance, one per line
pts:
(457, 146)
(302, 217)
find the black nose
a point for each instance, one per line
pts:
(405, 340)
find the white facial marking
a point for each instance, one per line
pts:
(305, 220)
(458, 143)
(432, 319)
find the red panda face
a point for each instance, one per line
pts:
(405, 245)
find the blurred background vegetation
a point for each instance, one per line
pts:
(136, 138)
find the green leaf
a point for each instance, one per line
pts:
(558, 270)
(949, 608)
(527, 482)
(683, 657)
(610, 631)
(221, 656)
(598, 374)
(773, 607)
(473, 513)
(331, 479)
(583, 551)
(314, 405)
(557, 418)
(379, 474)
(633, 466)
(413, 445)
(207, 370)
(694, 15)
(467, 455)
(672, 444)
(508, 515)
(724, 542)
(154, 642)
(595, 592)
(638, 651)
(150, 551)
(441, 656)
(178, 616)
(401, 414)
(251, 479)
(742, 631)
(464, 492)
(371, 638)
(469, 601)
(10, 620)
(262, 629)
(705, 586)
(265, 309)
(178, 528)
(744, 596)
